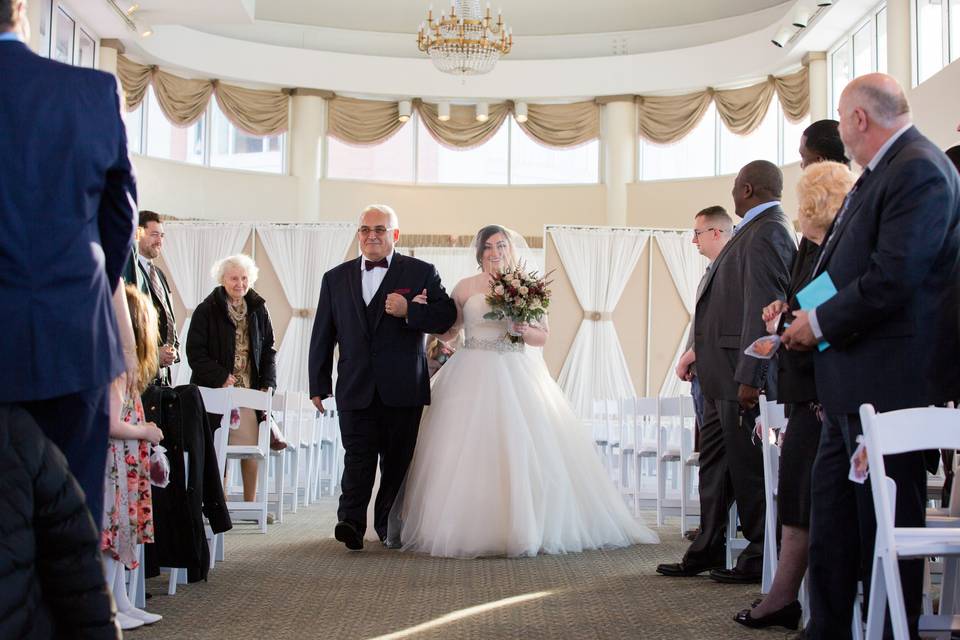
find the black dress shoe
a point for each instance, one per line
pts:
(349, 535)
(734, 576)
(683, 569)
(788, 617)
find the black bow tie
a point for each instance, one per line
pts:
(382, 262)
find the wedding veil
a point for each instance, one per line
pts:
(517, 251)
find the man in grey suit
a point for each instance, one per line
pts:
(752, 269)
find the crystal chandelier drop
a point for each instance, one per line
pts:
(465, 42)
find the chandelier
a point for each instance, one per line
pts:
(466, 42)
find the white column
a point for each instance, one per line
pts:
(899, 47)
(307, 127)
(816, 62)
(620, 156)
(36, 20)
(108, 59)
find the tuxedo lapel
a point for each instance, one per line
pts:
(356, 294)
(386, 286)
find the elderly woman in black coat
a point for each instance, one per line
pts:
(230, 343)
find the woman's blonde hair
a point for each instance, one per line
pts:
(821, 191)
(143, 316)
(240, 260)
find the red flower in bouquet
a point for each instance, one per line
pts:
(519, 296)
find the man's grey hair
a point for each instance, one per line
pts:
(382, 208)
(239, 260)
(883, 106)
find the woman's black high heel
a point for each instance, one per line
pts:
(788, 617)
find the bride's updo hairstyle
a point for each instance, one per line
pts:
(485, 234)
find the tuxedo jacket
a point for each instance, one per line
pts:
(161, 298)
(377, 352)
(751, 271)
(895, 260)
(67, 205)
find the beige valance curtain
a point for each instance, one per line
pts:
(366, 122)
(666, 119)
(184, 100)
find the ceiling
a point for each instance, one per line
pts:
(527, 17)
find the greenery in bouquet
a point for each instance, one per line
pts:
(519, 296)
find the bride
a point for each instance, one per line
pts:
(503, 467)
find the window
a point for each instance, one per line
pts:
(164, 140)
(133, 121)
(929, 38)
(389, 161)
(485, 164)
(86, 50)
(792, 132)
(953, 10)
(231, 148)
(44, 27)
(862, 50)
(534, 163)
(761, 144)
(692, 156)
(64, 27)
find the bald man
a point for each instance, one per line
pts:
(894, 255)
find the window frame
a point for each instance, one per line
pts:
(870, 19)
(947, 55)
(78, 26)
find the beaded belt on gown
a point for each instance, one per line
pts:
(501, 345)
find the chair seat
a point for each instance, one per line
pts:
(693, 460)
(939, 623)
(671, 454)
(647, 450)
(245, 451)
(920, 542)
(939, 518)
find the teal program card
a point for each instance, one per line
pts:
(816, 293)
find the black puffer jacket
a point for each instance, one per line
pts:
(50, 570)
(211, 342)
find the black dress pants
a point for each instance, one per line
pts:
(843, 529)
(731, 469)
(387, 434)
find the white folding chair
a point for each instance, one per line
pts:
(671, 430)
(887, 434)
(772, 418)
(646, 429)
(606, 433)
(328, 467)
(628, 478)
(690, 459)
(240, 398)
(278, 459)
(308, 428)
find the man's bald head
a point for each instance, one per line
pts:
(872, 108)
(758, 182)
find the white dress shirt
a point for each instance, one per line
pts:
(371, 280)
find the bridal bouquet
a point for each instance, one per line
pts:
(518, 296)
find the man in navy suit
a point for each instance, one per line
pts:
(367, 309)
(67, 197)
(894, 256)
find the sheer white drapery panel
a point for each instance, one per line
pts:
(686, 267)
(452, 263)
(301, 254)
(190, 250)
(598, 262)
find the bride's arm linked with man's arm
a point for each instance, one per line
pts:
(435, 311)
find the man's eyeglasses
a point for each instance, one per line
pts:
(366, 231)
(696, 234)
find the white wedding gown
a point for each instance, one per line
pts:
(503, 467)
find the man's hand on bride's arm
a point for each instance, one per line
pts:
(421, 298)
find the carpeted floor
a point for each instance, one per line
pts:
(298, 582)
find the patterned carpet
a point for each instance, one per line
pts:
(298, 582)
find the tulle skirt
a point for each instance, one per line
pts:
(503, 467)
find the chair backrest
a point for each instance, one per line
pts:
(252, 399)
(900, 432)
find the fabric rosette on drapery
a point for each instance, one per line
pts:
(190, 250)
(301, 254)
(686, 267)
(598, 263)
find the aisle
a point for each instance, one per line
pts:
(297, 582)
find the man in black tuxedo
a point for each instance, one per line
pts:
(150, 243)
(894, 256)
(751, 269)
(367, 309)
(67, 201)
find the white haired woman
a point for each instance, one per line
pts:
(230, 343)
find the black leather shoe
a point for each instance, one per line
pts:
(684, 570)
(734, 576)
(349, 535)
(788, 617)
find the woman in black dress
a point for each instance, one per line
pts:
(820, 192)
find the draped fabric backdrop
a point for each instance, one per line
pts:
(599, 263)
(301, 254)
(686, 267)
(190, 251)
(452, 263)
